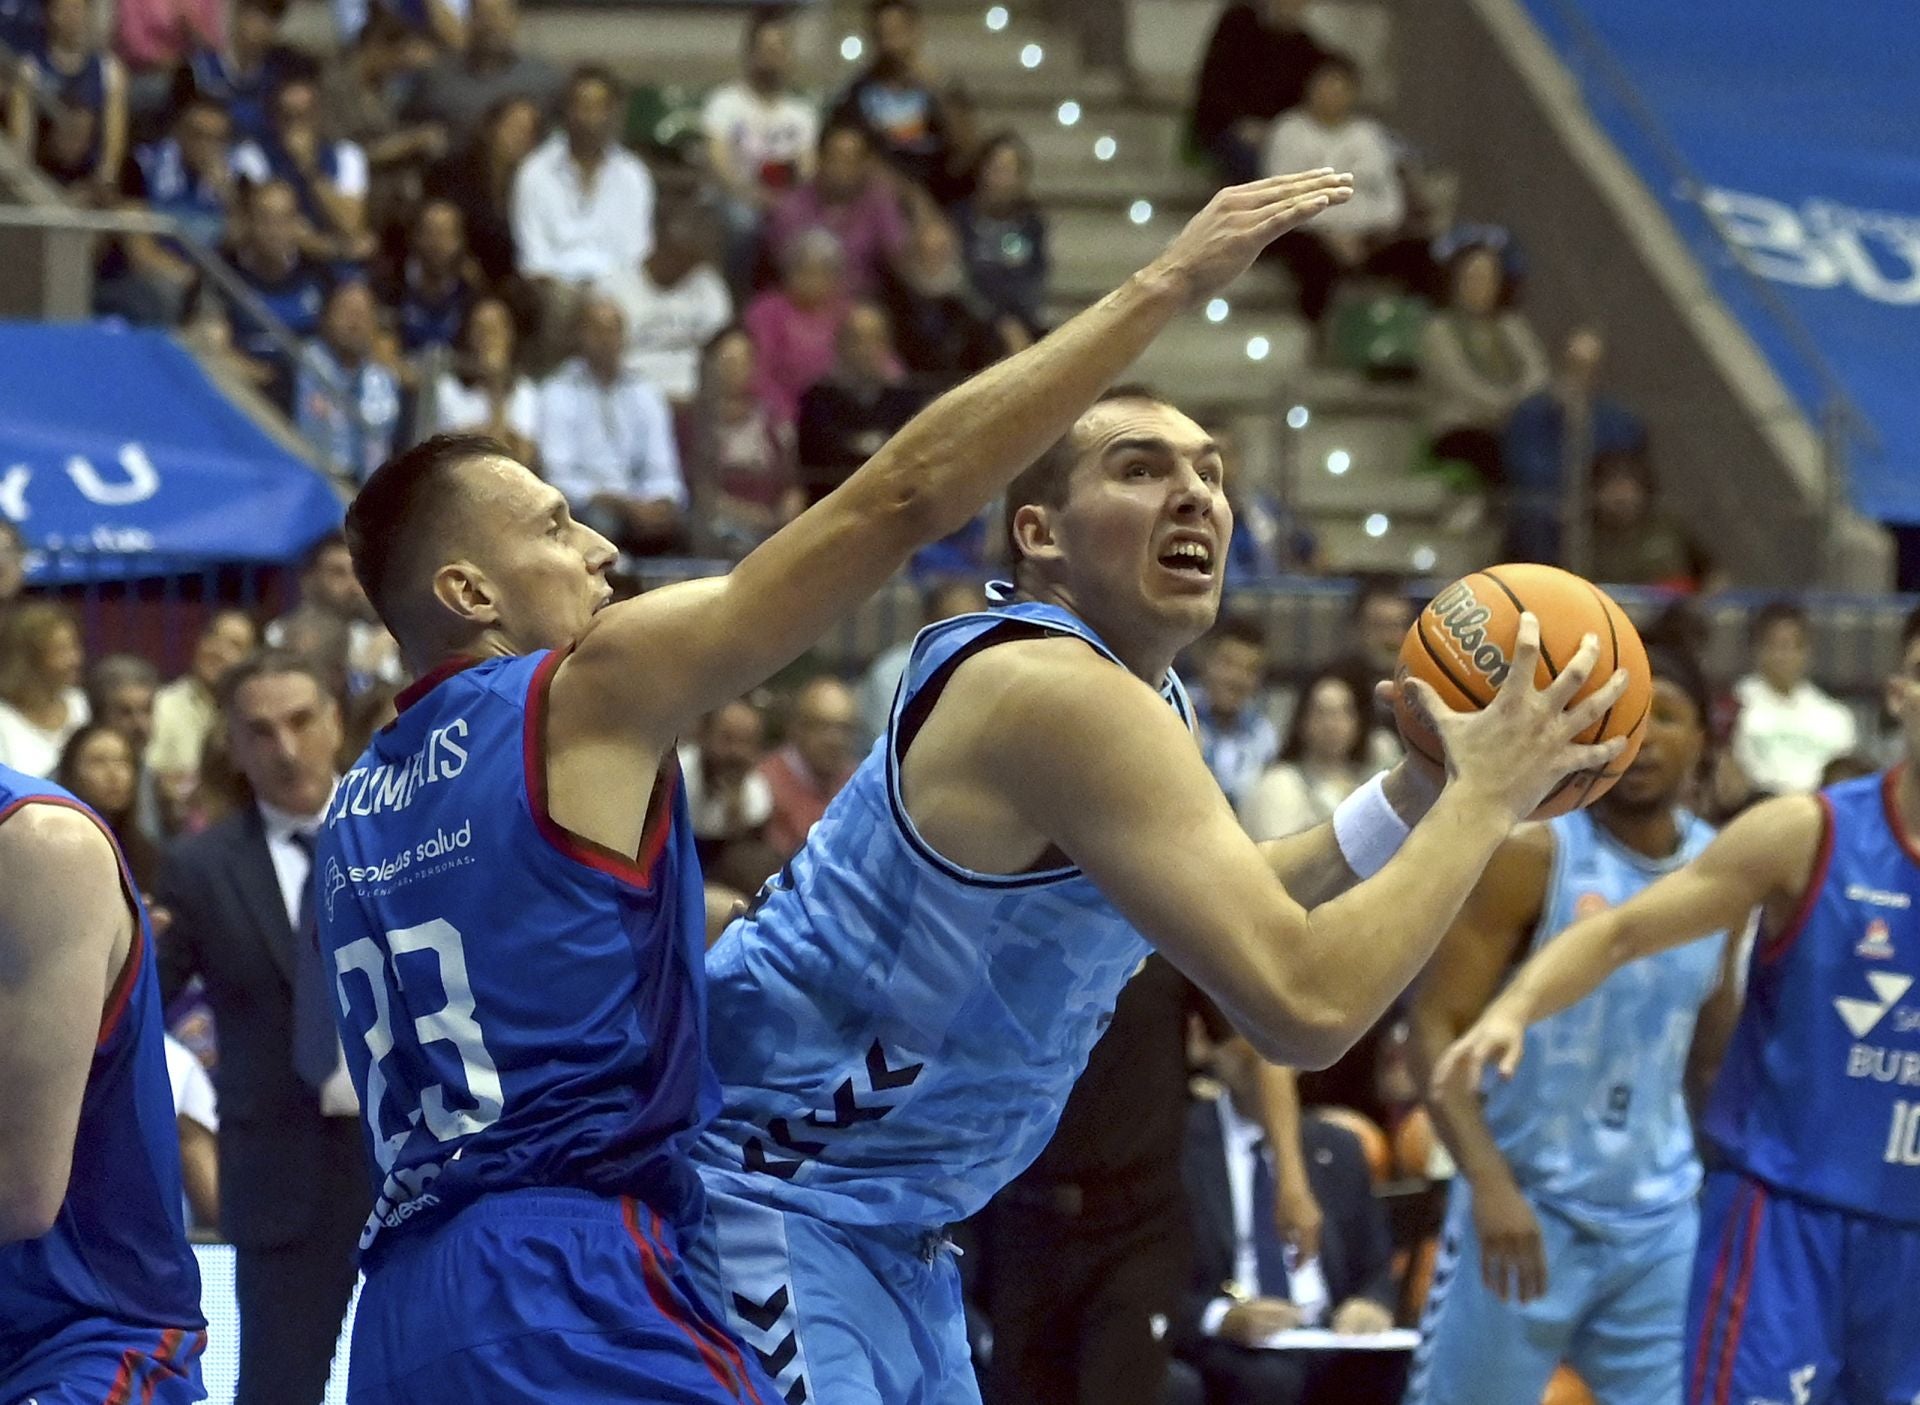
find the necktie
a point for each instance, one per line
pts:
(316, 1047)
(1269, 1249)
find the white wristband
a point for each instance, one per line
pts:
(1368, 829)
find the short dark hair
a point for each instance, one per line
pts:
(764, 19)
(1775, 612)
(1238, 629)
(1669, 663)
(1375, 585)
(593, 73)
(1909, 628)
(267, 663)
(1044, 481)
(336, 540)
(1295, 745)
(405, 495)
(1336, 62)
(838, 126)
(877, 8)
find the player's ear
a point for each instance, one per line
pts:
(1033, 533)
(463, 588)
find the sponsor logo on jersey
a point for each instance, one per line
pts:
(1877, 897)
(1877, 944)
(1861, 1016)
(441, 851)
(1464, 618)
(336, 880)
(1900, 1067)
(383, 789)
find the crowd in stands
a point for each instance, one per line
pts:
(1568, 471)
(693, 340)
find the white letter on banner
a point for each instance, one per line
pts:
(143, 480)
(13, 492)
(1772, 237)
(1849, 246)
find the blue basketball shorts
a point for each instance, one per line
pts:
(99, 1363)
(853, 1316)
(548, 1295)
(1800, 1303)
(1614, 1310)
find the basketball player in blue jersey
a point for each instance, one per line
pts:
(99, 1294)
(1803, 1283)
(1572, 1221)
(907, 1007)
(507, 889)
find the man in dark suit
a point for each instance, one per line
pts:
(1246, 1284)
(294, 1188)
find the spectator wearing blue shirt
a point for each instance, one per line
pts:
(1555, 436)
(1003, 235)
(242, 76)
(606, 439)
(186, 176)
(328, 177)
(347, 404)
(79, 140)
(437, 283)
(1237, 738)
(268, 259)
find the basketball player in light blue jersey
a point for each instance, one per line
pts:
(1803, 1288)
(1571, 1224)
(898, 1021)
(509, 901)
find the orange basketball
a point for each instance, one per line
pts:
(1373, 1141)
(1413, 1143)
(1462, 643)
(1566, 1388)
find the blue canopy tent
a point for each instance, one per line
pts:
(121, 460)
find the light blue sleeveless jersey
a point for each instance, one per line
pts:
(1595, 1120)
(895, 1035)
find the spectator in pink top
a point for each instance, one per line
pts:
(155, 37)
(796, 326)
(806, 773)
(851, 197)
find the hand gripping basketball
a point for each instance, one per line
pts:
(1518, 747)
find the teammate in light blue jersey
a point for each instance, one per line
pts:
(1803, 1281)
(900, 1018)
(509, 901)
(1571, 1225)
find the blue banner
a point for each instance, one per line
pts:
(1803, 124)
(119, 458)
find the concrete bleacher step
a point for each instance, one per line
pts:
(1194, 359)
(1360, 463)
(1096, 246)
(1347, 544)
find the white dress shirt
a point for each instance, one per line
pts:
(1241, 1141)
(293, 870)
(30, 748)
(567, 229)
(608, 439)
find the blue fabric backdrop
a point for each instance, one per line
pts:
(118, 457)
(1803, 123)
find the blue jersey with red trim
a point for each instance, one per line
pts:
(519, 1008)
(117, 1256)
(1820, 1091)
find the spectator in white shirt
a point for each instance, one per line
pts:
(485, 392)
(606, 440)
(760, 137)
(1787, 729)
(1363, 235)
(674, 302)
(728, 799)
(582, 203)
(41, 704)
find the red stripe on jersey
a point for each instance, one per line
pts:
(1772, 951)
(1737, 1309)
(715, 1333)
(1709, 1319)
(1890, 798)
(661, 1291)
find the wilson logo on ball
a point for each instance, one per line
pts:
(1464, 618)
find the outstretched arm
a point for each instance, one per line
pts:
(64, 930)
(1094, 761)
(701, 643)
(1764, 858)
(1476, 952)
